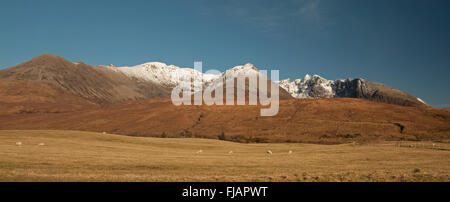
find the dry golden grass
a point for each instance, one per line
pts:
(87, 156)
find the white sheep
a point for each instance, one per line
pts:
(290, 152)
(269, 152)
(19, 143)
(230, 152)
(41, 144)
(104, 133)
(199, 151)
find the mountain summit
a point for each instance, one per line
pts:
(318, 87)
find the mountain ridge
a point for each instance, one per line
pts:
(319, 87)
(110, 84)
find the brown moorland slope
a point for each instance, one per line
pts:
(328, 121)
(21, 97)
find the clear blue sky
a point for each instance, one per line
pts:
(402, 43)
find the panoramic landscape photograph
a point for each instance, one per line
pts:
(224, 91)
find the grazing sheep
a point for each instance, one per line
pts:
(269, 152)
(41, 144)
(230, 152)
(199, 151)
(104, 133)
(19, 143)
(290, 152)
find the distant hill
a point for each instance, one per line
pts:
(100, 84)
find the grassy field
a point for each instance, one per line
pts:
(87, 156)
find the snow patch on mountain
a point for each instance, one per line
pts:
(420, 100)
(242, 70)
(233, 73)
(309, 87)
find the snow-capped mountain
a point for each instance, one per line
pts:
(168, 75)
(318, 87)
(242, 70)
(307, 87)
(171, 76)
(235, 72)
